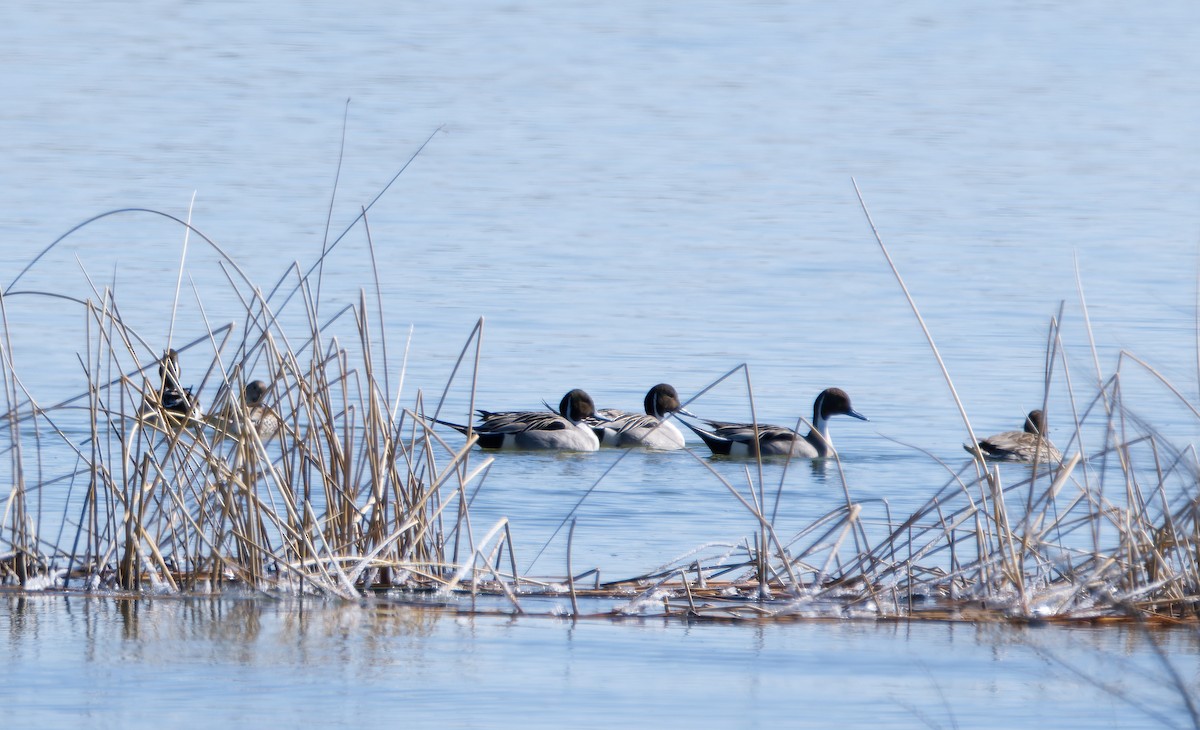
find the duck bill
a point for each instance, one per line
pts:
(686, 412)
(857, 415)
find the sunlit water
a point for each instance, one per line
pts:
(117, 663)
(628, 194)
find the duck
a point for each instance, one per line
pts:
(170, 397)
(738, 439)
(1020, 446)
(255, 414)
(261, 417)
(651, 430)
(538, 430)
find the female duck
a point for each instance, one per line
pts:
(261, 417)
(1020, 446)
(738, 439)
(538, 430)
(257, 415)
(649, 429)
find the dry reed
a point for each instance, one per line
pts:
(357, 495)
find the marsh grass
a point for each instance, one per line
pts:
(358, 494)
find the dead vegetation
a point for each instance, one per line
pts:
(354, 493)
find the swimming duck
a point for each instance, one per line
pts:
(256, 415)
(737, 439)
(1020, 446)
(563, 431)
(261, 417)
(649, 429)
(170, 396)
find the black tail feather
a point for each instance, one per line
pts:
(484, 439)
(456, 426)
(715, 443)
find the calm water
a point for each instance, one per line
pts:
(628, 193)
(169, 662)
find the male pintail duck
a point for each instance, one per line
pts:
(172, 398)
(530, 430)
(1021, 446)
(649, 429)
(737, 439)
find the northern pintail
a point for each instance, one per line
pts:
(649, 429)
(545, 430)
(738, 439)
(254, 415)
(170, 397)
(1021, 446)
(260, 416)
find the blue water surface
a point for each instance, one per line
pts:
(627, 193)
(150, 663)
